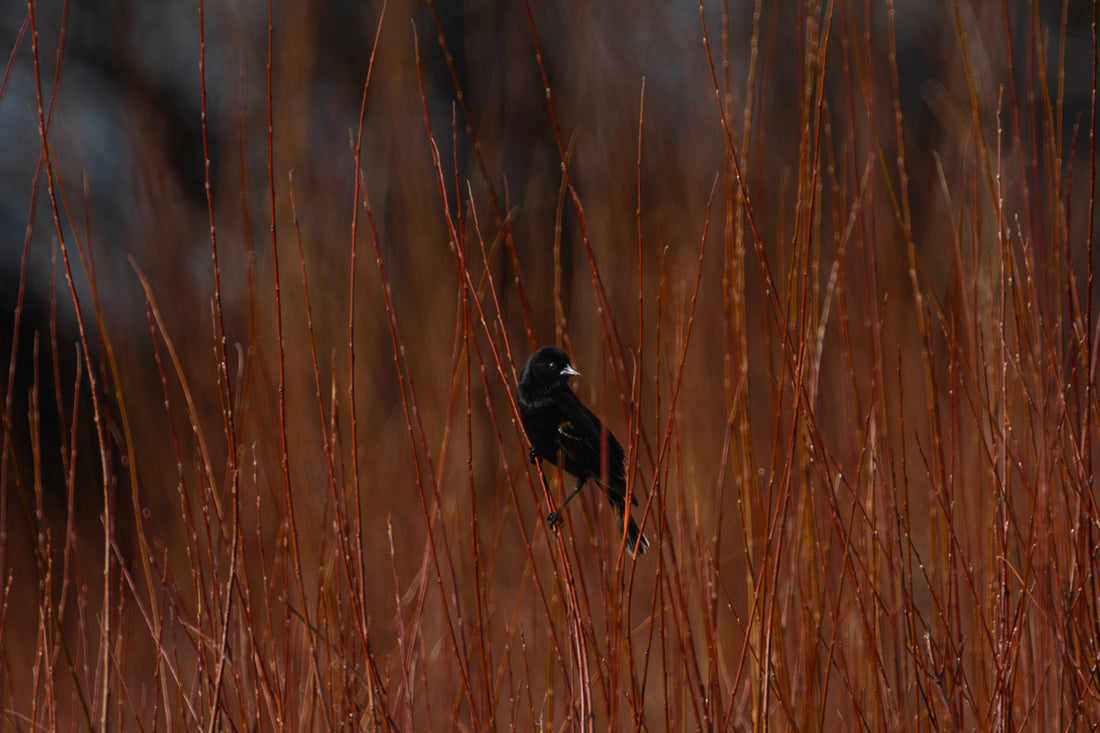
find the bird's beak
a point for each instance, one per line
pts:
(569, 371)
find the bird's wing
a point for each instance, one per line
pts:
(583, 440)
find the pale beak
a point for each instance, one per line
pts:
(569, 371)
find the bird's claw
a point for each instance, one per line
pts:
(552, 518)
(534, 456)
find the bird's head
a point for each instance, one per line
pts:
(548, 369)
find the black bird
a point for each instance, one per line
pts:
(566, 433)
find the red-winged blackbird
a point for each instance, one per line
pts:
(566, 433)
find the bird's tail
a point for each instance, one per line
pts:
(635, 538)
